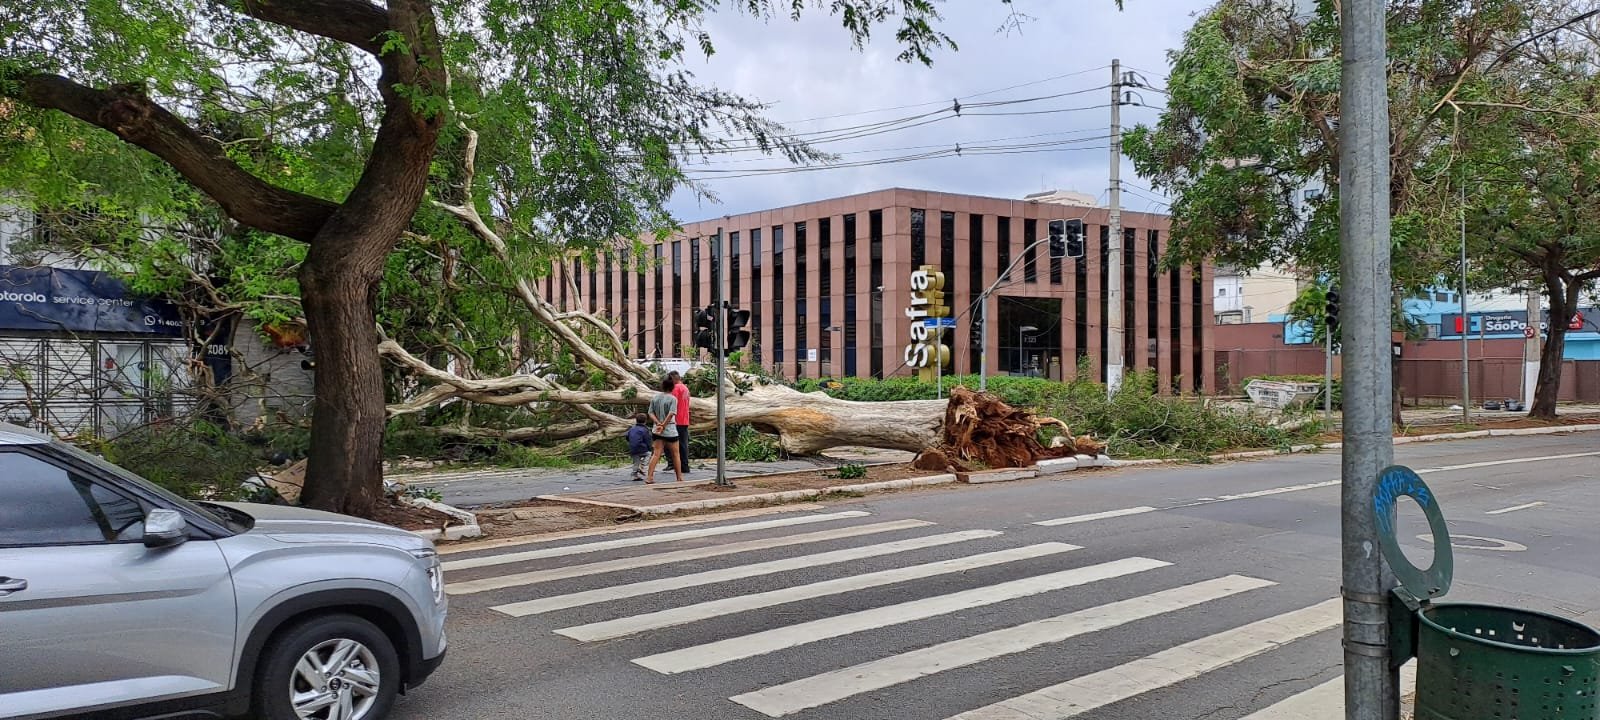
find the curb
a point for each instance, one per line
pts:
(1312, 447)
(468, 528)
(786, 495)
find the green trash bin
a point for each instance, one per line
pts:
(1479, 662)
(1483, 662)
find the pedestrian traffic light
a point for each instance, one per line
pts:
(1331, 310)
(738, 337)
(1066, 238)
(705, 328)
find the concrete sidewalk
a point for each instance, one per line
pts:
(477, 487)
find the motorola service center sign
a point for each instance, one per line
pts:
(80, 301)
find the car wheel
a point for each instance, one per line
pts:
(333, 667)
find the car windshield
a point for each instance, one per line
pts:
(143, 484)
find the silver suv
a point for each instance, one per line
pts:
(119, 599)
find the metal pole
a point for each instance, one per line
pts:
(1114, 332)
(1466, 357)
(721, 332)
(1530, 350)
(1370, 683)
(938, 361)
(1327, 376)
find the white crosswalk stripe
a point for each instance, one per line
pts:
(1168, 667)
(671, 617)
(637, 541)
(738, 572)
(667, 558)
(724, 651)
(882, 677)
(830, 687)
(1325, 701)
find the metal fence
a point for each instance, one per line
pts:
(71, 387)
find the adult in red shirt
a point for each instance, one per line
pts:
(680, 390)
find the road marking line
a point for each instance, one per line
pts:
(1508, 461)
(818, 690)
(761, 643)
(637, 527)
(1096, 516)
(1325, 701)
(1168, 667)
(646, 540)
(671, 617)
(630, 563)
(678, 582)
(1514, 508)
(1278, 491)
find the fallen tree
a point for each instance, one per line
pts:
(805, 423)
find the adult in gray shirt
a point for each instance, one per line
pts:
(664, 428)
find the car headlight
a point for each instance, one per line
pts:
(435, 572)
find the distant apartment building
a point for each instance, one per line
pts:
(829, 284)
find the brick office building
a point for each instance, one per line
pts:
(828, 284)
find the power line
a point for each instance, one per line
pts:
(961, 143)
(932, 103)
(716, 174)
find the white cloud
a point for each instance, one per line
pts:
(807, 69)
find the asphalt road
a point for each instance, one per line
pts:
(1181, 592)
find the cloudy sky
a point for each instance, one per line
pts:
(818, 85)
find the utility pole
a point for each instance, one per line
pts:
(1530, 349)
(1114, 339)
(722, 338)
(1466, 357)
(1370, 683)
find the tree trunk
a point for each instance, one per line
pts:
(1563, 302)
(348, 415)
(808, 423)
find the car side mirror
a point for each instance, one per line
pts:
(165, 528)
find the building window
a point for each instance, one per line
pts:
(825, 291)
(639, 314)
(875, 282)
(800, 294)
(975, 277)
(1105, 304)
(676, 344)
(694, 273)
(1030, 256)
(1003, 245)
(850, 295)
(1080, 312)
(1152, 269)
(622, 278)
(1130, 289)
(733, 268)
(755, 294)
(776, 313)
(610, 287)
(919, 237)
(594, 286)
(657, 251)
(1175, 322)
(1197, 379)
(947, 252)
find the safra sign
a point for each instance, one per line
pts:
(927, 352)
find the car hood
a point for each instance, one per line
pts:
(302, 525)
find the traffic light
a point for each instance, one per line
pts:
(1066, 238)
(738, 337)
(705, 328)
(1331, 310)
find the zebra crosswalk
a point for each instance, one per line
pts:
(686, 602)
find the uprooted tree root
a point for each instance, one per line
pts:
(980, 428)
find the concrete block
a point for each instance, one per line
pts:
(1056, 465)
(1086, 461)
(989, 476)
(1102, 460)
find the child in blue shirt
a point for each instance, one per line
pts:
(639, 446)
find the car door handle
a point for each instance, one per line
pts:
(11, 585)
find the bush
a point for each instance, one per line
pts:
(199, 461)
(848, 471)
(1017, 391)
(745, 444)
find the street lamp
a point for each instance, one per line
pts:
(1021, 332)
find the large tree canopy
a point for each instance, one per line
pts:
(1482, 124)
(301, 137)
